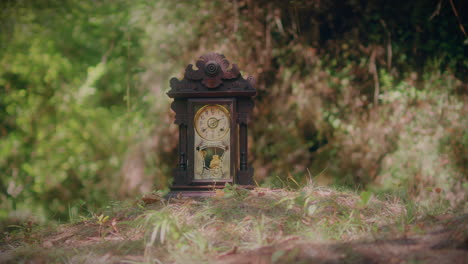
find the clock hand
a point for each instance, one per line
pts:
(215, 121)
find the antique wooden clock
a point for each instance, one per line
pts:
(213, 105)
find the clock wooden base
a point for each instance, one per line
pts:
(203, 191)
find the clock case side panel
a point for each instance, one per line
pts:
(179, 106)
(245, 172)
(231, 102)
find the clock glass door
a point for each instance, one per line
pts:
(212, 157)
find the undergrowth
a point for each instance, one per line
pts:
(154, 230)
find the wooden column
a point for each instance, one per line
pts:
(245, 173)
(180, 173)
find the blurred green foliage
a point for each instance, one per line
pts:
(67, 81)
(367, 94)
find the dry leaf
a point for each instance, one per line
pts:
(151, 198)
(114, 225)
(219, 193)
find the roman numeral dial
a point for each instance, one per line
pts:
(212, 122)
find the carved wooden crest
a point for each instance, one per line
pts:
(212, 78)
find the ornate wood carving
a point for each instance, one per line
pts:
(212, 77)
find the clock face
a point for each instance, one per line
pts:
(212, 122)
(212, 142)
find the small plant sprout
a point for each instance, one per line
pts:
(101, 220)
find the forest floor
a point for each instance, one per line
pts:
(311, 225)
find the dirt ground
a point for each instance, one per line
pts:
(444, 244)
(441, 239)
